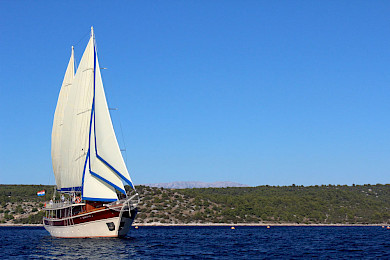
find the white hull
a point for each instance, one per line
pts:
(96, 228)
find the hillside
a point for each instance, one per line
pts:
(195, 184)
(360, 204)
(20, 203)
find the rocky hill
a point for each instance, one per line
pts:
(326, 204)
(195, 184)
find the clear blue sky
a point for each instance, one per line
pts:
(256, 92)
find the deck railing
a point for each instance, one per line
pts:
(60, 204)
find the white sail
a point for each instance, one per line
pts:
(77, 117)
(97, 189)
(99, 170)
(90, 159)
(102, 142)
(107, 148)
(58, 120)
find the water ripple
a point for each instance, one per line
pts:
(202, 243)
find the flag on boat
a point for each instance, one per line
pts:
(41, 193)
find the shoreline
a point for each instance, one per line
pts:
(225, 225)
(255, 225)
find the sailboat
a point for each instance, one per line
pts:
(89, 169)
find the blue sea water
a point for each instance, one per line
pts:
(202, 243)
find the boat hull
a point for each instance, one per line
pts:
(101, 223)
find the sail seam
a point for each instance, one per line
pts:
(84, 112)
(113, 169)
(107, 181)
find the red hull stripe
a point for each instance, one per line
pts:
(93, 216)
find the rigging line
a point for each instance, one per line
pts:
(74, 65)
(82, 38)
(50, 176)
(74, 45)
(123, 138)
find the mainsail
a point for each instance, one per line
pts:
(58, 119)
(88, 158)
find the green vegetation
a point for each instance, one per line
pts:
(20, 193)
(326, 204)
(31, 219)
(19, 204)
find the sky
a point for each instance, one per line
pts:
(255, 92)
